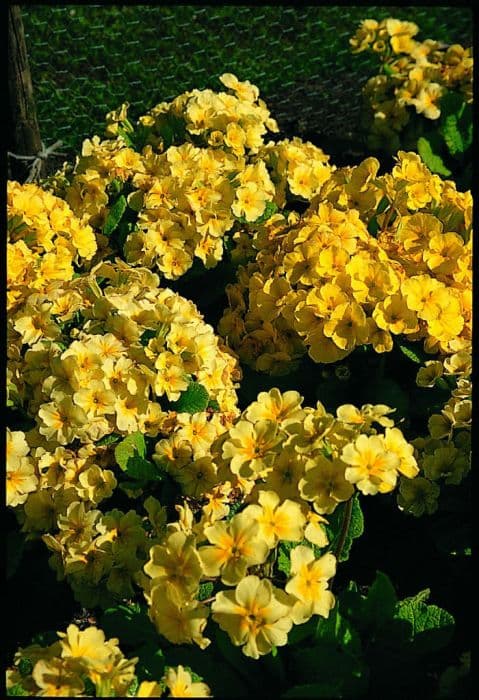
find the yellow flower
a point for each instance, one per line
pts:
(251, 447)
(427, 99)
(277, 522)
(393, 315)
(395, 442)
(418, 496)
(55, 678)
(324, 484)
(255, 615)
(177, 562)
(149, 689)
(309, 583)
(371, 469)
(250, 201)
(87, 646)
(180, 621)
(21, 480)
(427, 375)
(284, 407)
(197, 477)
(234, 547)
(180, 684)
(347, 326)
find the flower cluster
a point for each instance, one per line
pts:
(45, 242)
(100, 357)
(414, 75)
(372, 258)
(444, 455)
(82, 663)
(272, 478)
(194, 170)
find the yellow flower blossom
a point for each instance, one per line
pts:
(371, 468)
(309, 584)
(234, 546)
(181, 685)
(277, 521)
(255, 615)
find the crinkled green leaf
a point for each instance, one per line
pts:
(206, 589)
(433, 161)
(114, 215)
(431, 626)
(132, 445)
(193, 400)
(452, 136)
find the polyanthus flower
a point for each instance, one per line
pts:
(309, 583)
(371, 468)
(181, 685)
(277, 521)
(234, 546)
(255, 615)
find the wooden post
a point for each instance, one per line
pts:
(24, 133)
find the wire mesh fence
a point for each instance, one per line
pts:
(87, 60)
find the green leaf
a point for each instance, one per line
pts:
(380, 603)
(25, 666)
(410, 353)
(335, 629)
(193, 400)
(283, 561)
(129, 623)
(431, 626)
(433, 161)
(372, 613)
(142, 470)
(452, 136)
(16, 691)
(114, 216)
(110, 439)
(133, 445)
(355, 528)
(206, 589)
(373, 226)
(151, 661)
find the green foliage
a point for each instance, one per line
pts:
(455, 123)
(431, 626)
(114, 215)
(110, 439)
(133, 445)
(206, 589)
(411, 352)
(344, 526)
(16, 691)
(433, 161)
(129, 623)
(193, 400)
(130, 456)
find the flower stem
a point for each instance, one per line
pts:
(348, 509)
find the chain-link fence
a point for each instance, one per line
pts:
(87, 60)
